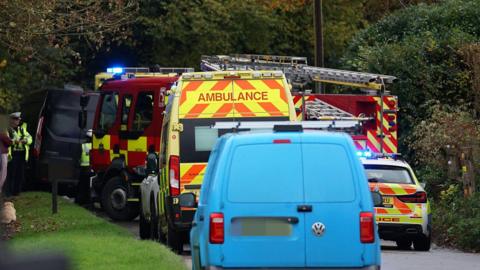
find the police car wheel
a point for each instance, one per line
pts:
(144, 228)
(114, 201)
(404, 244)
(422, 243)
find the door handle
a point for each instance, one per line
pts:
(304, 208)
(201, 218)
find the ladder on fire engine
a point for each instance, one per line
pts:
(296, 70)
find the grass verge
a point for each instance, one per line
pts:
(90, 242)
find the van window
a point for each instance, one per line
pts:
(143, 111)
(109, 111)
(197, 138)
(205, 138)
(388, 174)
(328, 174)
(266, 173)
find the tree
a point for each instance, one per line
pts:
(424, 53)
(43, 42)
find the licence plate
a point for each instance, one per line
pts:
(388, 201)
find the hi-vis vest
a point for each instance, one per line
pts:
(85, 158)
(20, 134)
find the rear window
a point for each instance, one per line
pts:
(62, 114)
(388, 174)
(198, 138)
(266, 173)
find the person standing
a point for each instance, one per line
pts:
(18, 153)
(5, 142)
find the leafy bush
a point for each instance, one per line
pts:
(456, 220)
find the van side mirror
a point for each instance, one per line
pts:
(187, 200)
(84, 99)
(82, 119)
(377, 199)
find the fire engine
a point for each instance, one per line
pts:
(126, 127)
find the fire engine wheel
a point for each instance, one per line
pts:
(404, 244)
(115, 201)
(144, 228)
(174, 240)
(422, 243)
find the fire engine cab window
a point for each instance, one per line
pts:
(388, 174)
(205, 138)
(143, 111)
(127, 102)
(109, 111)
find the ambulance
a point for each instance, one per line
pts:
(198, 101)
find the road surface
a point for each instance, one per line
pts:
(392, 258)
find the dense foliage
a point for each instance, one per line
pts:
(434, 52)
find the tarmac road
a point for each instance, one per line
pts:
(392, 258)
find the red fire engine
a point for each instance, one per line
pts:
(126, 127)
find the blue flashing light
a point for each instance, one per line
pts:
(365, 154)
(115, 70)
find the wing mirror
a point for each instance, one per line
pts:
(187, 200)
(84, 99)
(152, 163)
(377, 198)
(82, 119)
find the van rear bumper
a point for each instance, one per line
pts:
(371, 267)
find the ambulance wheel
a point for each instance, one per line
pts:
(153, 221)
(174, 241)
(144, 228)
(422, 243)
(115, 201)
(404, 244)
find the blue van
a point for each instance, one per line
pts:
(284, 200)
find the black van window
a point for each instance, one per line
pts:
(109, 111)
(126, 103)
(143, 111)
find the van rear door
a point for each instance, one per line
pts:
(331, 193)
(262, 225)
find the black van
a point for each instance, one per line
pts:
(58, 139)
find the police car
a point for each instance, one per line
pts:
(405, 215)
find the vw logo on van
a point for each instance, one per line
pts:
(318, 228)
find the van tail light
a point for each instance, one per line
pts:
(418, 197)
(217, 231)
(367, 228)
(38, 138)
(174, 172)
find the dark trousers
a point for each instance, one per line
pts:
(15, 174)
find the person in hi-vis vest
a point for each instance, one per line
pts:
(17, 155)
(83, 188)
